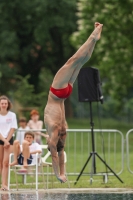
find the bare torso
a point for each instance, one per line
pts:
(54, 113)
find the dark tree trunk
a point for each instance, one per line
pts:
(68, 108)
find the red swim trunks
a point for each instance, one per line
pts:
(63, 92)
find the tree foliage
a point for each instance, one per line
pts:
(25, 94)
(113, 54)
(34, 35)
(35, 43)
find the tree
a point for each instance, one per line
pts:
(25, 94)
(113, 53)
(35, 35)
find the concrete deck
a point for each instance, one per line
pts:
(71, 190)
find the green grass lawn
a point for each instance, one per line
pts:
(83, 182)
(98, 181)
(100, 124)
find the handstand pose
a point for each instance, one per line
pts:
(61, 88)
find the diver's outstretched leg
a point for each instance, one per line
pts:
(69, 71)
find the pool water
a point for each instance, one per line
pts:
(65, 196)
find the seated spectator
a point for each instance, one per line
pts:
(36, 124)
(22, 129)
(25, 154)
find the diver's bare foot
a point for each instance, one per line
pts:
(96, 24)
(14, 163)
(62, 178)
(98, 30)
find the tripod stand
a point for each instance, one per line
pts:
(93, 154)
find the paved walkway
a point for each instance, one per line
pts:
(72, 190)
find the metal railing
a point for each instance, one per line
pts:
(129, 150)
(109, 145)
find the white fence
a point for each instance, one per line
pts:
(108, 144)
(129, 149)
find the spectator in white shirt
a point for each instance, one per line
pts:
(8, 124)
(25, 154)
